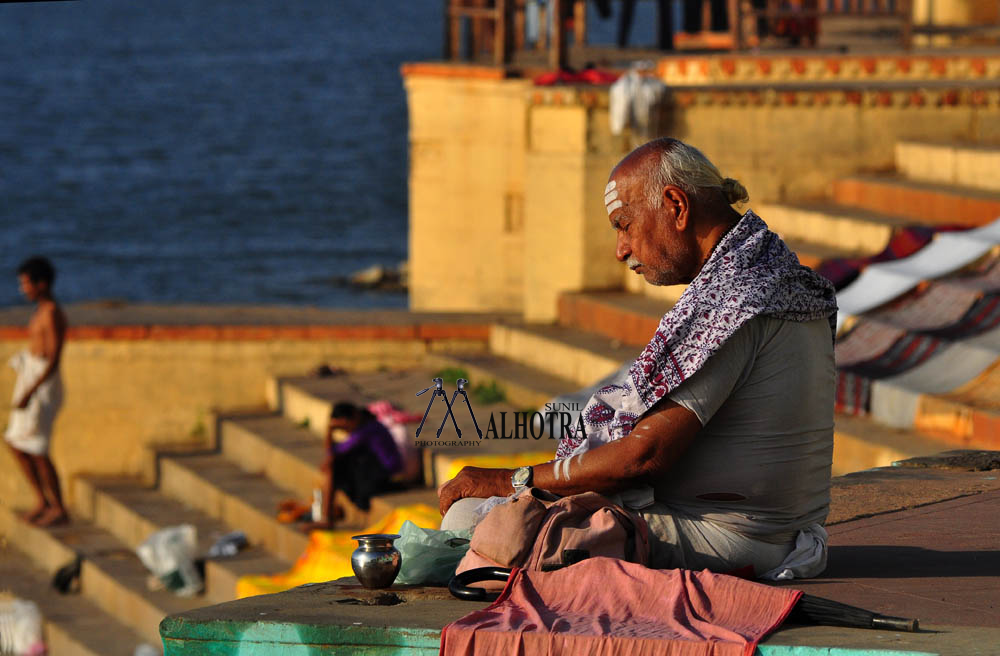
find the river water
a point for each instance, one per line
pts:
(208, 151)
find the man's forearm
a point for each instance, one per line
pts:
(656, 442)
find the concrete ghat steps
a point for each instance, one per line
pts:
(222, 490)
(842, 231)
(577, 356)
(630, 318)
(966, 418)
(132, 512)
(969, 165)
(814, 231)
(524, 387)
(73, 625)
(111, 575)
(307, 401)
(919, 202)
(811, 254)
(290, 457)
(313, 397)
(860, 443)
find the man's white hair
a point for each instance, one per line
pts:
(687, 167)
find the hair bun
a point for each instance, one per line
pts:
(734, 191)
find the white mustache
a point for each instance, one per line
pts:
(633, 263)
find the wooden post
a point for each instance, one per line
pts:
(543, 28)
(500, 33)
(519, 38)
(580, 22)
(448, 53)
(736, 24)
(557, 50)
(456, 30)
(906, 9)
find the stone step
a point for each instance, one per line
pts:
(523, 386)
(919, 202)
(811, 254)
(830, 230)
(859, 443)
(627, 317)
(968, 417)
(287, 454)
(950, 163)
(111, 574)
(224, 491)
(307, 401)
(580, 357)
(631, 316)
(290, 456)
(133, 512)
(73, 625)
(313, 397)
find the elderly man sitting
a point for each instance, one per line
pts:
(721, 434)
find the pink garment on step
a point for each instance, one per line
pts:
(610, 607)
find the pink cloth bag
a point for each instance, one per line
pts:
(610, 607)
(538, 530)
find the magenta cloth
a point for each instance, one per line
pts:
(389, 414)
(588, 76)
(751, 272)
(377, 439)
(609, 607)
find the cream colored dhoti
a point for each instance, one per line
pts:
(30, 429)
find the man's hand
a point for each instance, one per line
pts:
(474, 482)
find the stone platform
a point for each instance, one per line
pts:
(913, 541)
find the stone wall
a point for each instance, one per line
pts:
(507, 179)
(468, 129)
(124, 393)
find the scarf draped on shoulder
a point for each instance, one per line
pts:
(751, 272)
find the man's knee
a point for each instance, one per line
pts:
(462, 515)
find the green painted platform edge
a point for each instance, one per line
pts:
(803, 650)
(182, 638)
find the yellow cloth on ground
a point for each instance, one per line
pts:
(328, 554)
(501, 461)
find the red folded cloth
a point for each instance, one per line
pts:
(610, 607)
(588, 76)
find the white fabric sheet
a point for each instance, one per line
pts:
(882, 282)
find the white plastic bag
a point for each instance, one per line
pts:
(21, 628)
(429, 556)
(169, 555)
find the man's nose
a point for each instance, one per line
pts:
(622, 248)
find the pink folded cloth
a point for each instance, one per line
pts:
(608, 607)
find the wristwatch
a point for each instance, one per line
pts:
(521, 478)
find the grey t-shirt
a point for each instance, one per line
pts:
(760, 465)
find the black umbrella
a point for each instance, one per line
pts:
(807, 610)
(817, 610)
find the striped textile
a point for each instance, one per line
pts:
(904, 242)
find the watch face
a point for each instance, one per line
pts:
(521, 476)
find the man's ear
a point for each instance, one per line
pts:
(677, 198)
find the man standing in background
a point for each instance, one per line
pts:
(38, 392)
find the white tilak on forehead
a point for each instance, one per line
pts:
(611, 197)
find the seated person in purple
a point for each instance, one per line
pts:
(361, 465)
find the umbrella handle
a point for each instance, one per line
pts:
(895, 623)
(459, 584)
